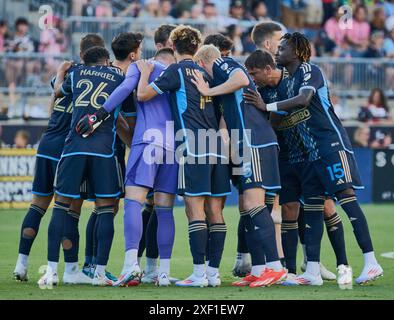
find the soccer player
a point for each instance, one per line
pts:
(149, 168)
(202, 178)
(330, 166)
(124, 46)
(89, 86)
(48, 155)
(258, 152)
(266, 36)
(272, 87)
(223, 43)
(149, 218)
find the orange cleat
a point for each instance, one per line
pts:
(245, 281)
(269, 277)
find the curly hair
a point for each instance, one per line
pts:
(300, 45)
(186, 39)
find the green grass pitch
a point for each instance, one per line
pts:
(380, 218)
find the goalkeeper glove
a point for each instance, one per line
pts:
(90, 122)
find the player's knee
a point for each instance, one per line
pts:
(29, 233)
(290, 211)
(67, 244)
(41, 201)
(329, 208)
(345, 193)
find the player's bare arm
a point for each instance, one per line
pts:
(237, 81)
(145, 91)
(124, 131)
(61, 73)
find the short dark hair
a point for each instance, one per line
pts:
(164, 51)
(186, 39)
(259, 60)
(219, 41)
(90, 40)
(264, 30)
(163, 33)
(21, 20)
(125, 43)
(95, 55)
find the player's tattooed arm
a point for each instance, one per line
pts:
(236, 81)
(60, 75)
(145, 91)
(123, 130)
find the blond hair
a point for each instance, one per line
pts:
(207, 53)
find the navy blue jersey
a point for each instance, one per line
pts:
(191, 111)
(314, 131)
(240, 115)
(52, 141)
(90, 87)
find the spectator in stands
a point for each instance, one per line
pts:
(234, 33)
(165, 9)
(339, 109)
(151, 9)
(132, 10)
(259, 12)
(3, 35)
(389, 8)
(18, 68)
(237, 10)
(375, 48)
(329, 9)
(388, 44)
(89, 9)
(313, 14)
(377, 109)
(215, 21)
(358, 35)
(293, 13)
(21, 139)
(104, 10)
(361, 137)
(378, 19)
(336, 34)
(196, 12)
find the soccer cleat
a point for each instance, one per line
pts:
(129, 278)
(48, 279)
(193, 281)
(325, 273)
(163, 280)
(268, 278)
(110, 276)
(345, 277)
(78, 277)
(150, 277)
(370, 272)
(304, 279)
(101, 280)
(245, 281)
(214, 280)
(88, 270)
(20, 273)
(242, 266)
(173, 280)
(289, 276)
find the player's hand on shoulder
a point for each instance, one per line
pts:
(199, 81)
(90, 122)
(254, 98)
(145, 66)
(64, 66)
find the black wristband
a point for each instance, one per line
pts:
(101, 114)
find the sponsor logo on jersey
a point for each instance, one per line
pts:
(294, 119)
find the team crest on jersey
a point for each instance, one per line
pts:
(247, 170)
(224, 66)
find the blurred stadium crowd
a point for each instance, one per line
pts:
(29, 56)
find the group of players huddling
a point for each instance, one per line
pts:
(269, 128)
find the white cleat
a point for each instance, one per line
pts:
(305, 279)
(76, 278)
(101, 280)
(214, 281)
(193, 281)
(20, 273)
(150, 277)
(242, 266)
(345, 277)
(325, 273)
(289, 277)
(129, 278)
(370, 272)
(48, 279)
(163, 280)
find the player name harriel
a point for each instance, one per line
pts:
(105, 75)
(294, 119)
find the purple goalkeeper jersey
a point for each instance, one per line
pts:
(152, 116)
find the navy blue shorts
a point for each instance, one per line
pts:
(102, 174)
(291, 177)
(331, 174)
(44, 176)
(261, 170)
(203, 179)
